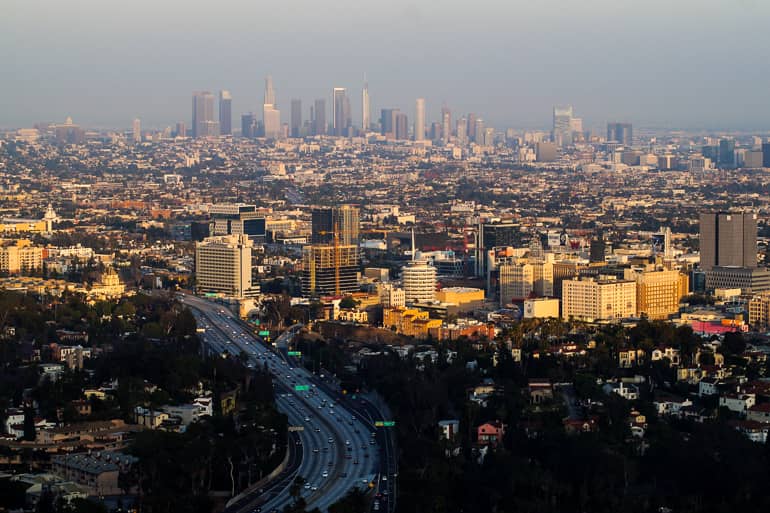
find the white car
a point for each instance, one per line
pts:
(325, 474)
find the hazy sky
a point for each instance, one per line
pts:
(663, 63)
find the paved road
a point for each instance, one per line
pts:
(369, 408)
(340, 449)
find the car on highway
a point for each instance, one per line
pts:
(325, 474)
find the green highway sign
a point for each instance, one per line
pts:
(295, 353)
(385, 423)
(264, 333)
(301, 388)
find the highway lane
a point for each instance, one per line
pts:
(340, 436)
(368, 412)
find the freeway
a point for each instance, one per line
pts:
(339, 447)
(369, 409)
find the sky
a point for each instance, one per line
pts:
(682, 64)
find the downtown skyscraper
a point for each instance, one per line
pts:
(562, 125)
(271, 116)
(620, 132)
(365, 108)
(296, 117)
(225, 113)
(341, 120)
(419, 119)
(318, 117)
(203, 123)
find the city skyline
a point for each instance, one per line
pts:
(513, 76)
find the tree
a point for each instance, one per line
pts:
(29, 424)
(353, 502)
(733, 344)
(348, 302)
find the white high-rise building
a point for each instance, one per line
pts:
(419, 282)
(137, 130)
(419, 119)
(271, 116)
(562, 125)
(223, 265)
(365, 109)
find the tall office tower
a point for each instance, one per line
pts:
(136, 131)
(471, 130)
(489, 137)
(225, 113)
(319, 121)
(446, 124)
(271, 116)
(223, 265)
(249, 125)
(726, 153)
(479, 131)
(765, 154)
(328, 269)
(419, 119)
(344, 218)
(435, 131)
(562, 121)
(728, 239)
(365, 108)
(341, 120)
(269, 97)
(400, 126)
(622, 133)
(181, 129)
(462, 127)
(203, 123)
(387, 127)
(296, 117)
(419, 282)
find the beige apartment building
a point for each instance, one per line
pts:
(658, 292)
(598, 300)
(522, 279)
(223, 265)
(759, 310)
(19, 255)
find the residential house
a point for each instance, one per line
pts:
(627, 391)
(540, 391)
(737, 402)
(490, 433)
(759, 413)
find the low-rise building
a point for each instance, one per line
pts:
(738, 403)
(490, 433)
(98, 472)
